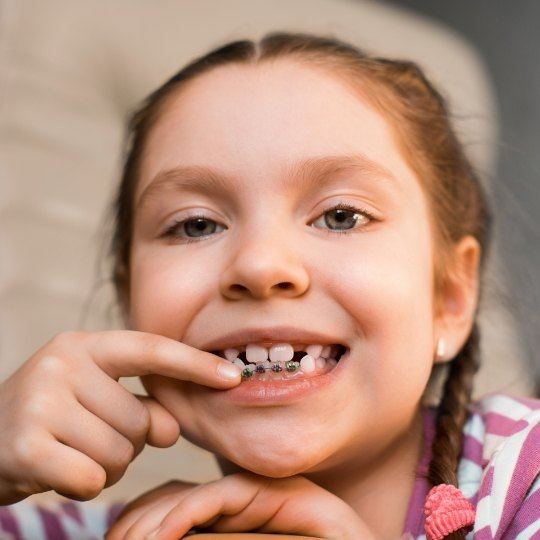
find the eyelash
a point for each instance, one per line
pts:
(169, 232)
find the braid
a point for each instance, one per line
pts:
(452, 415)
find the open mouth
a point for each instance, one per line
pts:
(284, 363)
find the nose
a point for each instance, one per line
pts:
(265, 265)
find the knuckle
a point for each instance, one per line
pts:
(150, 345)
(51, 364)
(27, 451)
(38, 406)
(141, 421)
(212, 490)
(123, 454)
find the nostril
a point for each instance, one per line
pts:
(237, 287)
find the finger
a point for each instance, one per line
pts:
(117, 406)
(129, 353)
(150, 500)
(82, 430)
(164, 428)
(68, 471)
(149, 497)
(132, 522)
(227, 496)
(150, 519)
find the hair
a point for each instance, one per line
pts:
(420, 118)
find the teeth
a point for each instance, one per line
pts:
(320, 363)
(239, 363)
(314, 350)
(307, 367)
(278, 363)
(231, 354)
(255, 353)
(281, 353)
(308, 364)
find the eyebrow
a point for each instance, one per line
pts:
(302, 175)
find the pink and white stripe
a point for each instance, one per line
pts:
(65, 520)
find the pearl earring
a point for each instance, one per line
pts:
(439, 355)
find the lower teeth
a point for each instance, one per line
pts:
(276, 371)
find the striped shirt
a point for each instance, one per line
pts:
(498, 472)
(64, 520)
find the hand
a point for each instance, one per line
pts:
(68, 425)
(240, 502)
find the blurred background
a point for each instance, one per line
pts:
(505, 35)
(70, 72)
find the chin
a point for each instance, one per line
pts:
(278, 463)
(271, 469)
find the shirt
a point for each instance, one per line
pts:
(498, 472)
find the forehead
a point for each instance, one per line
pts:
(252, 122)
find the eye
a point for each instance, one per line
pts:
(195, 227)
(343, 214)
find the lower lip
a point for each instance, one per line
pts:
(268, 393)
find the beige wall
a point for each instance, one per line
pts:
(69, 72)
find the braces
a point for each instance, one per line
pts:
(290, 365)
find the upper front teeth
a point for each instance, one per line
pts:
(281, 352)
(255, 353)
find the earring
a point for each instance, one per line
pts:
(439, 355)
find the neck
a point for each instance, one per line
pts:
(377, 486)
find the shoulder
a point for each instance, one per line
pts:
(502, 436)
(497, 418)
(59, 519)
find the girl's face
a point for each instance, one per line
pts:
(371, 287)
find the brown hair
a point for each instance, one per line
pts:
(421, 121)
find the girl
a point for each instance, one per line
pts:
(308, 204)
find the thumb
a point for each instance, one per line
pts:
(164, 428)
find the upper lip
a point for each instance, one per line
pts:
(274, 334)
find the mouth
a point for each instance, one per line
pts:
(283, 361)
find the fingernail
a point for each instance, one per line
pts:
(228, 371)
(152, 535)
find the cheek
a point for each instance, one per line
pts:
(387, 290)
(167, 289)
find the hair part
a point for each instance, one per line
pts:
(421, 127)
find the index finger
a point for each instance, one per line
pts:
(130, 353)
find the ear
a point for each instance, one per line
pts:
(457, 306)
